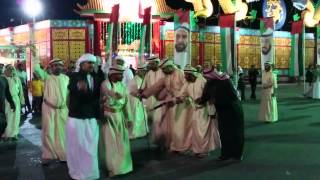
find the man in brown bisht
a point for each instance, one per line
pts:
(165, 90)
(195, 129)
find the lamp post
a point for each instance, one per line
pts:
(32, 8)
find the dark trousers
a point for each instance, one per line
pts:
(3, 123)
(36, 103)
(231, 130)
(242, 93)
(253, 90)
(26, 98)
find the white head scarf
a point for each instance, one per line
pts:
(85, 58)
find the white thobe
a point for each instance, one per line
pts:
(54, 114)
(13, 118)
(115, 146)
(139, 115)
(268, 105)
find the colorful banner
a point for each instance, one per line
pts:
(114, 18)
(146, 23)
(267, 44)
(277, 10)
(228, 43)
(182, 38)
(297, 59)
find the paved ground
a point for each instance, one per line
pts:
(286, 150)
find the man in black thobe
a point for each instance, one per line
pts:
(220, 92)
(253, 75)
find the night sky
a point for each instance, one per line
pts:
(11, 13)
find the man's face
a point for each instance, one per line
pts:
(190, 77)
(181, 40)
(56, 68)
(87, 67)
(266, 45)
(141, 72)
(154, 66)
(116, 77)
(168, 69)
(267, 67)
(9, 71)
(20, 67)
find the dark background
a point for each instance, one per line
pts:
(11, 13)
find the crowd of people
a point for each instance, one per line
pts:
(90, 113)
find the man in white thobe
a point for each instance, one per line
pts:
(268, 105)
(140, 124)
(153, 75)
(54, 111)
(82, 130)
(115, 138)
(13, 117)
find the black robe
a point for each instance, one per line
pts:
(230, 116)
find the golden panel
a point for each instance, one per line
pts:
(41, 35)
(77, 48)
(217, 38)
(247, 39)
(4, 40)
(169, 49)
(195, 36)
(79, 34)
(278, 41)
(169, 35)
(309, 58)
(208, 51)
(60, 49)
(310, 43)
(21, 38)
(59, 34)
(195, 51)
(217, 54)
(209, 37)
(242, 39)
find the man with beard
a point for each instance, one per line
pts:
(166, 89)
(181, 55)
(117, 118)
(220, 92)
(153, 75)
(82, 131)
(195, 129)
(266, 46)
(54, 111)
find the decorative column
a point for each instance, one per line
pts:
(97, 38)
